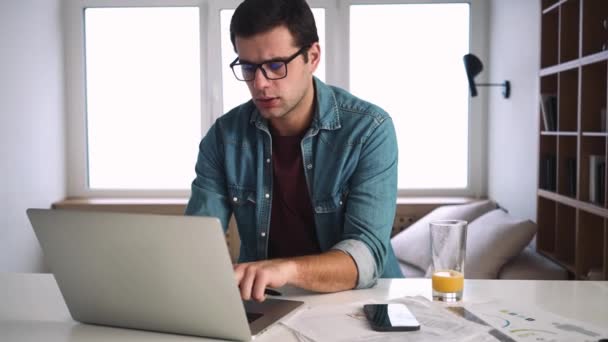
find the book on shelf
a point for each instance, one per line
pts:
(601, 185)
(548, 109)
(571, 177)
(603, 120)
(548, 172)
(597, 171)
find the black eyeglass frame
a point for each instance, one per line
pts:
(257, 66)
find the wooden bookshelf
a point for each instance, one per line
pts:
(572, 213)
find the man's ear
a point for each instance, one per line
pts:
(314, 56)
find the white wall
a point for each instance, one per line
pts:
(514, 55)
(32, 143)
(32, 146)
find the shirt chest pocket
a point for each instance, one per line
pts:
(330, 204)
(243, 205)
(329, 217)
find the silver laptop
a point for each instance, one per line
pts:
(153, 272)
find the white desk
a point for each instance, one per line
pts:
(32, 309)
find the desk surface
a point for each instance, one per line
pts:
(32, 308)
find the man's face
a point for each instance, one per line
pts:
(287, 97)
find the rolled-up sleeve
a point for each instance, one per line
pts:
(364, 260)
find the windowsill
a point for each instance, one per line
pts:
(414, 200)
(123, 201)
(171, 206)
(178, 205)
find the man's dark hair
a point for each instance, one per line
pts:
(258, 16)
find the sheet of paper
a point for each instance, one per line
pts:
(347, 322)
(532, 324)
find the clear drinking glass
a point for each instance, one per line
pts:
(448, 246)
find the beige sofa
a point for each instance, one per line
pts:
(499, 246)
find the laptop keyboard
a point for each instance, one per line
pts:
(252, 316)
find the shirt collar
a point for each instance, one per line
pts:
(326, 116)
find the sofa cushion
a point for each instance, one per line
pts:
(531, 265)
(410, 271)
(492, 240)
(413, 245)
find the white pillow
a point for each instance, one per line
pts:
(413, 245)
(492, 240)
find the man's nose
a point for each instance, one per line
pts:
(260, 81)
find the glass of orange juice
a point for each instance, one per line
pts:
(448, 247)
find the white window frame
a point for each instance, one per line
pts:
(337, 73)
(477, 150)
(77, 177)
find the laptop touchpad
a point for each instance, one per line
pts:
(252, 316)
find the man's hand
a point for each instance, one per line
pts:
(254, 277)
(327, 272)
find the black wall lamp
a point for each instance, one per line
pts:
(473, 67)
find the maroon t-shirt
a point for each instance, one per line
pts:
(292, 223)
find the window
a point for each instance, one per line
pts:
(142, 96)
(150, 81)
(418, 77)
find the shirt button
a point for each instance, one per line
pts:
(309, 166)
(340, 202)
(267, 195)
(235, 199)
(263, 234)
(268, 161)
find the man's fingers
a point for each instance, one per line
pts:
(254, 277)
(239, 272)
(262, 278)
(246, 282)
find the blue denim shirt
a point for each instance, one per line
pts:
(349, 158)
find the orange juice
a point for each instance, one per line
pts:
(448, 281)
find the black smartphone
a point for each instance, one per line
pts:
(390, 317)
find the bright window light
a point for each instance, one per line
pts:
(143, 97)
(236, 92)
(407, 58)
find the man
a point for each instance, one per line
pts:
(309, 170)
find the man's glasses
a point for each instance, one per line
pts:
(274, 69)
